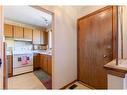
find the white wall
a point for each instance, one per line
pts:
(115, 82)
(65, 62)
(125, 32)
(82, 11)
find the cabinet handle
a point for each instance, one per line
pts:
(105, 56)
(0, 62)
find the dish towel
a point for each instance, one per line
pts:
(24, 60)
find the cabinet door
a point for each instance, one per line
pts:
(43, 37)
(8, 32)
(41, 61)
(50, 64)
(28, 33)
(18, 32)
(10, 65)
(36, 37)
(45, 63)
(36, 61)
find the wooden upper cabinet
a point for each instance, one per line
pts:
(36, 36)
(18, 32)
(8, 30)
(44, 37)
(28, 33)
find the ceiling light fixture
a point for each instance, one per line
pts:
(46, 21)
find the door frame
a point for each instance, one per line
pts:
(2, 50)
(114, 33)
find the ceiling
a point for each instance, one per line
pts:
(28, 15)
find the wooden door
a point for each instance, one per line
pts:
(95, 46)
(8, 30)
(28, 33)
(36, 37)
(18, 32)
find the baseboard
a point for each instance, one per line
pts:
(86, 85)
(64, 87)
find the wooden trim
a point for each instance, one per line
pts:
(116, 73)
(5, 71)
(64, 87)
(115, 30)
(117, 49)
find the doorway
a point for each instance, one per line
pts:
(28, 35)
(96, 46)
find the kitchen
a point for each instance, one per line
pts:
(28, 39)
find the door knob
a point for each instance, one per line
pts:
(0, 62)
(109, 47)
(105, 56)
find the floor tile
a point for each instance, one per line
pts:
(25, 81)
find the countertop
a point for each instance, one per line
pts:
(120, 69)
(34, 51)
(42, 52)
(121, 66)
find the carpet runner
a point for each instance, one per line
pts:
(45, 79)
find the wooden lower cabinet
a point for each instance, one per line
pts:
(10, 65)
(46, 63)
(43, 61)
(49, 64)
(36, 61)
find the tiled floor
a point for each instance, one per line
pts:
(30, 81)
(25, 81)
(79, 86)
